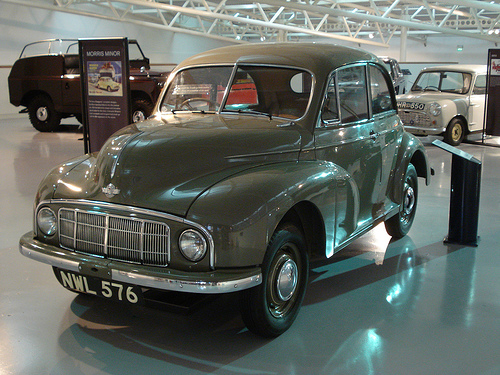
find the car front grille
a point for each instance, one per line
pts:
(114, 237)
(414, 118)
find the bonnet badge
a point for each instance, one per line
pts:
(110, 191)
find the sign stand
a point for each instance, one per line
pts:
(464, 196)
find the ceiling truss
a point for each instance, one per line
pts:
(373, 22)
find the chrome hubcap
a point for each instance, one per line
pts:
(138, 116)
(286, 282)
(456, 132)
(408, 203)
(42, 114)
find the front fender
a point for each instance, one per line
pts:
(243, 211)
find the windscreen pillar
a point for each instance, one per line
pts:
(464, 196)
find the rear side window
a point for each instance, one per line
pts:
(380, 92)
(480, 85)
(346, 98)
(353, 101)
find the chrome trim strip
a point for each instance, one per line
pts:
(138, 210)
(204, 287)
(162, 283)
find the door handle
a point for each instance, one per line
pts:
(373, 135)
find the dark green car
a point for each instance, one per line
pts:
(258, 159)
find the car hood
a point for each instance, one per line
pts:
(165, 163)
(429, 96)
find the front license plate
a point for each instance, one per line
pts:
(108, 289)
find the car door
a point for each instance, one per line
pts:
(477, 103)
(388, 130)
(347, 136)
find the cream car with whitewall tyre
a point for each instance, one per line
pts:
(445, 100)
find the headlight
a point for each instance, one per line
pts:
(192, 245)
(47, 221)
(435, 109)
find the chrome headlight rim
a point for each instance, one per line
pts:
(193, 245)
(435, 109)
(46, 221)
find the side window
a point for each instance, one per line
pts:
(480, 85)
(352, 93)
(381, 95)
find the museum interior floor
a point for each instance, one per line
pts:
(412, 306)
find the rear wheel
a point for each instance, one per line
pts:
(399, 225)
(455, 132)
(43, 115)
(270, 308)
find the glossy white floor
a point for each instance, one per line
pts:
(413, 306)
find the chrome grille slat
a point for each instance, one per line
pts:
(414, 118)
(115, 237)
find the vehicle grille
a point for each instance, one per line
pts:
(114, 237)
(414, 118)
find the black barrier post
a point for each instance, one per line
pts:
(464, 196)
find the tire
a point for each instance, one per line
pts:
(79, 117)
(141, 109)
(455, 132)
(399, 225)
(270, 308)
(43, 115)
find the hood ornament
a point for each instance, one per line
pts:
(110, 191)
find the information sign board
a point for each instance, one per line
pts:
(105, 89)
(493, 101)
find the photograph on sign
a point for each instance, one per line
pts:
(495, 67)
(105, 78)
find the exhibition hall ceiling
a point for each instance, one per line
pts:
(374, 22)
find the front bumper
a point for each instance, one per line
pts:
(420, 122)
(214, 282)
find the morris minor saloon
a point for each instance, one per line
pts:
(108, 84)
(257, 160)
(445, 100)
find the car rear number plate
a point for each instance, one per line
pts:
(109, 289)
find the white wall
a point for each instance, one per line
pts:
(21, 25)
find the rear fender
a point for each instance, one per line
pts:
(411, 150)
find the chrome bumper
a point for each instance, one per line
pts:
(215, 282)
(421, 130)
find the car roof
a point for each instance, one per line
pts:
(316, 57)
(471, 68)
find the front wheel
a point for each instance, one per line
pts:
(455, 132)
(141, 109)
(399, 225)
(270, 308)
(43, 115)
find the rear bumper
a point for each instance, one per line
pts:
(214, 282)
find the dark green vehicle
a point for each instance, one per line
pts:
(258, 159)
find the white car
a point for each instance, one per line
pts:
(447, 100)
